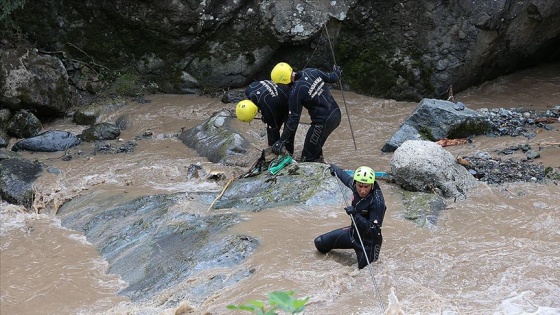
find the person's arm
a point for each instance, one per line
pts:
(272, 135)
(295, 106)
(368, 226)
(344, 177)
(331, 77)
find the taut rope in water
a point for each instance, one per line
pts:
(370, 267)
(341, 89)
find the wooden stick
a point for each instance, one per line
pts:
(220, 195)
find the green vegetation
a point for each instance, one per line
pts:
(426, 133)
(8, 6)
(469, 128)
(277, 301)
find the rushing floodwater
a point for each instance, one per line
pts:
(498, 252)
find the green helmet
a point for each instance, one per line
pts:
(364, 175)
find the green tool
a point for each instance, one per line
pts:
(279, 163)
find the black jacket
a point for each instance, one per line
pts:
(272, 101)
(310, 90)
(369, 209)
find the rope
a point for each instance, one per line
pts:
(341, 89)
(370, 267)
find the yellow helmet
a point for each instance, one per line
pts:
(246, 110)
(364, 175)
(282, 73)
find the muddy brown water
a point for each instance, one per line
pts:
(497, 252)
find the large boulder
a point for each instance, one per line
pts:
(32, 81)
(438, 119)
(424, 166)
(16, 179)
(154, 244)
(218, 141)
(101, 131)
(48, 141)
(392, 49)
(308, 184)
(24, 125)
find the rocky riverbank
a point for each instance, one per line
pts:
(514, 123)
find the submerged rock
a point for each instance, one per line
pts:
(154, 243)
(49, 141)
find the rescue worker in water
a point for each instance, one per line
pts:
(367, 209)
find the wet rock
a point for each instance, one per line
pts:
(424, 166)
(104, 147)
(519, 122)
(531, 155)
(422, 208)
(435, 120)
(86, 115)
(498, 171)
(24, 125)
(49, 141)
(302, 183)
(154, 244)
(217, 140)
(16, 179)
(123, 122)
(5, 154)
(233, 96)
(34, 82)
(5, 116)
(4, 139)
(89, 115)
(101, 131)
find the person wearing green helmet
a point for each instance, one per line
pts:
(367, 209)
(309, 89)
(272, 101)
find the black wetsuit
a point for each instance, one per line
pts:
(272, 101)
(310, 90)
(369, 209)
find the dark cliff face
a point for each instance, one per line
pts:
(394, 49)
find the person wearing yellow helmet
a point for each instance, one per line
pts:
(309, 90)
(246, 110)
(282, 73)
(367, 209)
(272, 101)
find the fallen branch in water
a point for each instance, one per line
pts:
(549, 143)
(220, 195)
(450, 142)
(546, 120)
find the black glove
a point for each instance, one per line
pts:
(350, 210)
(332, 169)
(336, 69)
(277, 147)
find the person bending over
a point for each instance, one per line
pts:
(309, 90)
(367, 209)
(272, 101)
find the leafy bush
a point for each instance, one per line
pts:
(277, 301)
(8, 6)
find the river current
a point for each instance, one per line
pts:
(497, 252)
